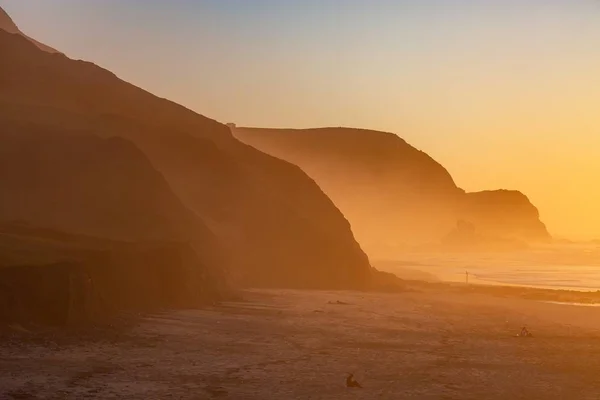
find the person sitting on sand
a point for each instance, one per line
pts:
(350, 382)
(524, 332)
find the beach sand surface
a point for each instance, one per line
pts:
(283, 344)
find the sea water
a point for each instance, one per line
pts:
(570, 268)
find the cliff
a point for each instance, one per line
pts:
(88, 185)
(54, 278)
(92, 187)
(504, 213)
(274, 223)
(394, 195)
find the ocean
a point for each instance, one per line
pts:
(550, 267)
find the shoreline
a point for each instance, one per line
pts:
(121, 325)
(513, 291)
(491, 282)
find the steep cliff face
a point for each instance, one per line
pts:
(86, 185)
(392, 193)
(273, 221)
(53, 278)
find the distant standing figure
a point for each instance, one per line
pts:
(467, 276)
(350, 382)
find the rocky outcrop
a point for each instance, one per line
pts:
(394, 195)
(273, 221)
(465, 237)
(505, 214)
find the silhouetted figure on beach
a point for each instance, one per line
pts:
(524, 332)
(350, 382)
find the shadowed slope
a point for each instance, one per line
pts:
(151, 251)
(87, 185)
(392, 193)
(271, 218)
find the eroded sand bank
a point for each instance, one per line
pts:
(300, 345)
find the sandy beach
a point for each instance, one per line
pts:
(284, 344)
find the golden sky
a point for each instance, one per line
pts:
(504, 93)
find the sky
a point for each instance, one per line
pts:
(503, 93)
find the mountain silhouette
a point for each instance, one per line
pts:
(92, 187)
(7, 24)
(88, 185)
(504, 213)
(393, 194)
(273, 222)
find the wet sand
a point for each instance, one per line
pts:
(300, 344)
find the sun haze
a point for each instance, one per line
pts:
(292, 199)
(503, 93)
